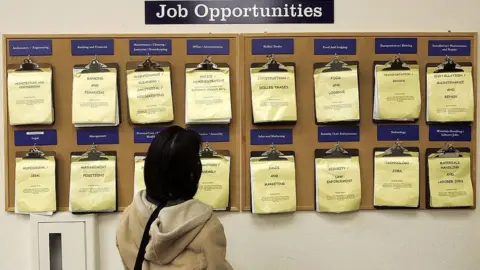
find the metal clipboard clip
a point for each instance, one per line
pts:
(272, 154)
(273, 65)
(95, 66)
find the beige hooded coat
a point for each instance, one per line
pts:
(186, 236)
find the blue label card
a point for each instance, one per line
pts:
(335, 46)
(449, 47)
(87, 136)
(273, 46)
(395, 45)
(145, 135)
(339, 134)
(92, 47)
(450, 133)
(213, 133)
(33, 47)
(398, 132)
(38, 137)
(208, 46)
(269, 136)
(151, 47)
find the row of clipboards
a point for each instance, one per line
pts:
(95, 100)
(338, 179)
(93, 181)
(95, 96)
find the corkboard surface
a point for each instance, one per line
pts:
(305, 139)
(63, 62)
(239, 60)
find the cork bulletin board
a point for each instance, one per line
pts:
(302, 51)
(239, 58)
(62, 61)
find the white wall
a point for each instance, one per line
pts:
(437, 240)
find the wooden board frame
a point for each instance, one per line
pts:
(63, 63)
(305, 139)
(239, 60)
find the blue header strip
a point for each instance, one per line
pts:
(273, 46)
(450, 133)
(35, 137)
(398, 132)
(87, 136)
(395, 45)
(213, 133)
(145, 135)
(335, 46)
(151, 47)
(339, 134)
(208, 46)
(92, 47)
(449, 47)
(269, 136)
(33, 47)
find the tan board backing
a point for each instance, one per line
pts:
(63, 62)
(305, 139)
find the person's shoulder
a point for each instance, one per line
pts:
(213, 228)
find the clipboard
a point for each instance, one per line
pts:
(95, 66)
(400, 150)
(92, 155)
(449, 65)
(337, 66)
(149, 65)
(209, 153)
(271, 154)
(28, 65)
(35, 153)
(272, 65)
(332, 153)
(430, 151)
(207, 65)
(396, 64)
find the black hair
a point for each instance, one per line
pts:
(172, 166)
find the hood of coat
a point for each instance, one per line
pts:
(170, 234)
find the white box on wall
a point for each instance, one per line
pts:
(63, 241)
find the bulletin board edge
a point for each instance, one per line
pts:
(5, 123)
(112, 35)
(362, 34)
(243, 103)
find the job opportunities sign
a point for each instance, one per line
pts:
(238, 12)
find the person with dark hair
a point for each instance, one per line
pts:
(164, 227)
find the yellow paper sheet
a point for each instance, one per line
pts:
(93, 185)
(150, 96)
(214, 185)
(336, 95)
(208, 95)
(450, 96)
(450, 181)
(273, 185)
(35, 185)
(273, 95)
(94, 99)
(396, 180)
(398, 93)
(139, 180)
(338, 184)
(30, 99)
